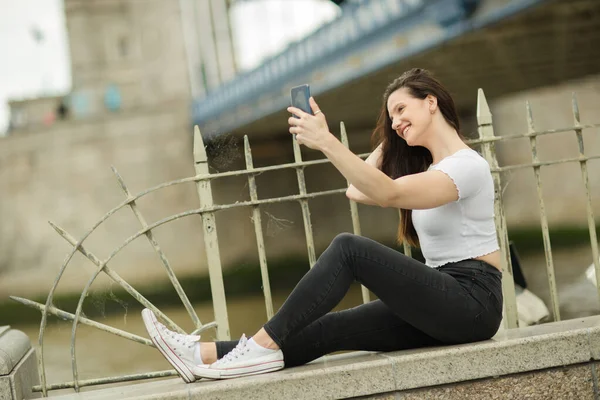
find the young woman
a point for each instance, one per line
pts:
(446, 196)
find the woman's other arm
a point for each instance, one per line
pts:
(424, 190)
(353, 193)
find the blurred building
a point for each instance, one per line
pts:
(135, 66)
(132, 55)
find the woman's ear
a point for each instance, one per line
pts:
(431, 103)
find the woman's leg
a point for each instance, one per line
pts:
(372, 326)
(428, 306)
(441, 307)
(429, 300)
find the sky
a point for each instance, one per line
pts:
(287, 21)
(34, 49)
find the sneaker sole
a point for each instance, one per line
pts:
(150, 322)
(262, 368)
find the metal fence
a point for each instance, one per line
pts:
(207, 210)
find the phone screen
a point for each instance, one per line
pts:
(300, 95)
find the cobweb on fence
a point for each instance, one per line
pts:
(276, 226)
(99, 299)
(223, 151)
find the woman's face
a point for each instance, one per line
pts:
(410, 116)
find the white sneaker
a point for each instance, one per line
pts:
(248, 358)
(177, 348)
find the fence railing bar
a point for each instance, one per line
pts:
(257, 221)
(205, 327)
(407, 249)
(366, 296)
(405, 246)
(256, 171)
(116, 277)
(86, 321)
(69, 256)
(486, 130)
(211, 241)
(49, 298)
(588, 194)
(526, 135)
(545, 163)
(163, 258)
(543, 218)
(260, 170)
(297, 164)
(283, 199)
(75, 324)
(103, 381)
(101, 268)
(310, 244)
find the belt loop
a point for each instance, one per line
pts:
(483, 267)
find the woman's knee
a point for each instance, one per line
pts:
(345, 241)
(349, 244)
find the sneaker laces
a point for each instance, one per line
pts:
(188, 341)
(240, 349)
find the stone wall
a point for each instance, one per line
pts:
(63, 174)
(570, 382)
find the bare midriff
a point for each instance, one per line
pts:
(492, 259)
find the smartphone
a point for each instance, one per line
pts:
(300, 95)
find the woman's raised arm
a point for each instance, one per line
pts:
(353, 193)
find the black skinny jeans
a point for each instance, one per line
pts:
(418, 305)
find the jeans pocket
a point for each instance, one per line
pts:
(466, 278)
(487, 321)
(497, 300)
(492, 285)
(485, 326)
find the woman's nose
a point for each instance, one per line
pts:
(395, 124)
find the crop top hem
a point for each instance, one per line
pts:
(467, 257)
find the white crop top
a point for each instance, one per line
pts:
(465, 228)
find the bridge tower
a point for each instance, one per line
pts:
(131, 54)
(209, 44)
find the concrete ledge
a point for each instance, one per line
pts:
(542, 347)
(18, 365)
(13, 346)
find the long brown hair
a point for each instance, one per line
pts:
(398, 158)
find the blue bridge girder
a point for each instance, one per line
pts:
(503, 46)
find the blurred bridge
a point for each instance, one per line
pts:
(503, 46)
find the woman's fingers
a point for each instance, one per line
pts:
(297, 112)
(294, 121)
(314, 106)
(307, 126)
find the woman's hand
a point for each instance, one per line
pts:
(310, 130)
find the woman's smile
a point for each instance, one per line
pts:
(404, 130)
